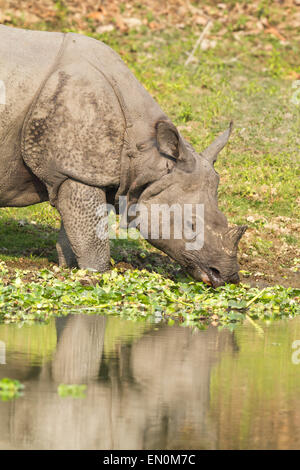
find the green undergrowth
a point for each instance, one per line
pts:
(138, 295)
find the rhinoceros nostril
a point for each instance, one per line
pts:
(215, 277)
(215, 272)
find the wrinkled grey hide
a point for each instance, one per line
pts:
(78, 129)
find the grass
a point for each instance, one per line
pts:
(249, 80)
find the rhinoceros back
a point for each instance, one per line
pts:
(140, 108)
(76, 126)
(26, 57)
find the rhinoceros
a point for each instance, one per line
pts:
(79, 130)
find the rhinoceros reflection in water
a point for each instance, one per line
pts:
(151, 392)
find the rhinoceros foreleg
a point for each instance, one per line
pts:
(66, 256)
(82, 209)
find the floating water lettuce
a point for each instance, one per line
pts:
(138, 295)
(10, 389)
(74, 391)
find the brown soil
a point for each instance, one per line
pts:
(261, 277)
(262, 273)
(281, 20)
(272, 274)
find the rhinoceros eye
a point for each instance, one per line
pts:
(146, 145)
(141, 147)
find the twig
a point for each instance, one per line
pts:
(259, 328)
(256, 297)
(198, 42)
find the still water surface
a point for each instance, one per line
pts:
(151, 386)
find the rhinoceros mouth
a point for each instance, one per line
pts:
(211, 276)
(200, 274)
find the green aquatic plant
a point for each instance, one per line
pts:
(10, 389)
(135, 294)
(74, 391)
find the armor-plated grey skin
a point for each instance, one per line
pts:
(77, 128)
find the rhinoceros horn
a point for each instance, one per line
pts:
(211, 152)
(233, 236)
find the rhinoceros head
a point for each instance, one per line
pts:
(191, 181)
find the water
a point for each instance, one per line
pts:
(151, 386)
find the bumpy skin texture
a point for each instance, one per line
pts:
(84, 230)
(25, 59)
(66, 255)
(75, 130)
(78, 127)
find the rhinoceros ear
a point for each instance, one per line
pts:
(211, 152)
(167, 139)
